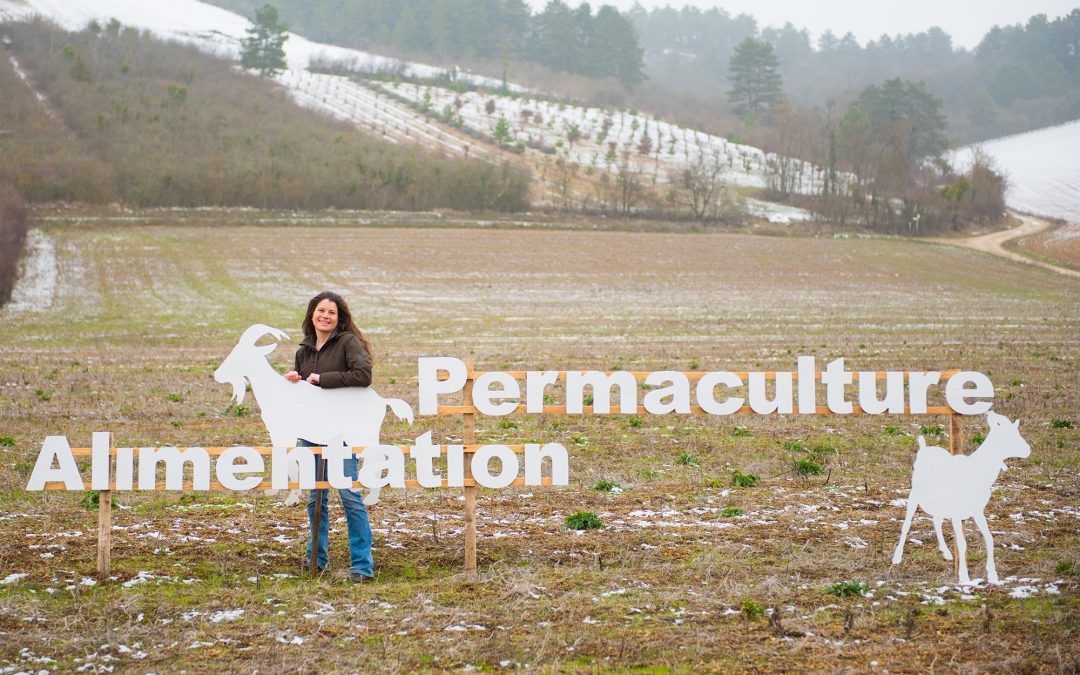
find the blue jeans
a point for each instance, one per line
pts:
(355, 514)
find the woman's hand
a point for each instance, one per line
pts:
(292, 376)
(313, 378)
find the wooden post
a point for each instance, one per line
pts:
(468, 437)
(316, 519)
(104, 541)
(956, 447)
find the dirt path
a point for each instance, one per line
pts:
(994, 243)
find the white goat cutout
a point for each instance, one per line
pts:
(958, 487)
(349, 416)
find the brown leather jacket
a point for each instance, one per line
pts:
(342, 361)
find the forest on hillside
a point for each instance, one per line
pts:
(676, 62)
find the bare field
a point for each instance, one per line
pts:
(1060, 244)
(688, 569)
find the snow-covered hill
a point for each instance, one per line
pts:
(546, 133)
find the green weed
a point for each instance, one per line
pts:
(1058, 423)
(931, 430)
(91, 499)
(583, 520)
(846, 589)
(740, 432)
(607, 486)
(744, 480)
(42, 395)
(236, 410)
(686, 459)
(635, 422)
(507, 424)
(752, 610)
(7, 441)
(175, 398)
(731, 512)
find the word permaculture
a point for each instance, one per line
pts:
(499, 393)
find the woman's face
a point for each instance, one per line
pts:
(325, 317)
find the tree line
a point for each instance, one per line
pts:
(151, 123)
(1019, 77)
(560, 37)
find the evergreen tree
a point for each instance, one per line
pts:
(755, 82)
(264, 47)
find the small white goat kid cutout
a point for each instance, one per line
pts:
(958, 487)
(292, 410)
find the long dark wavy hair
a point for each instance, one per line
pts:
(345, 320)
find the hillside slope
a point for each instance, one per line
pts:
(147, 122)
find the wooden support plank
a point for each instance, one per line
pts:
(642, 374)
(589, 410)
(104, 542)
(405, 449)
(322, 485)
(955, 424)
(468, 436)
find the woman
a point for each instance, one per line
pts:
(334, 353)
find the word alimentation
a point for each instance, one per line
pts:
(715, 393)
(242, 468)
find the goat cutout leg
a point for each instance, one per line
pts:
(898, 555)
(991, 569)
(961, 549)
(941, 537)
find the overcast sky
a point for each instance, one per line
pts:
(967, 21)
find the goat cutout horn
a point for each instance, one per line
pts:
(256, 331)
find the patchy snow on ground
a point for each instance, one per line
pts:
(36, 283)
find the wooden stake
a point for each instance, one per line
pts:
(104, 541)
(956, 447)
(316, 520)
(469, 438)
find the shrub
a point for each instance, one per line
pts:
(583, 520)
(744, 480)
(846, 589)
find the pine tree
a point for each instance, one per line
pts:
(755, 82)
(264, 47)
